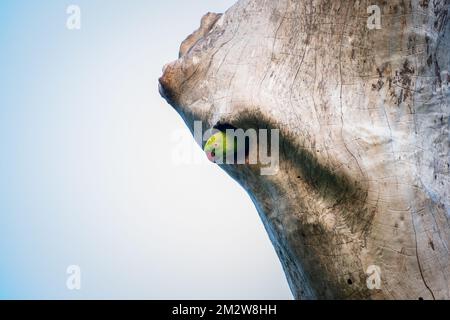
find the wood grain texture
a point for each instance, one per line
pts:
(364, 121)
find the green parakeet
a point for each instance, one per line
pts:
(219, 143)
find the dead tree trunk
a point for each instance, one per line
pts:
(360, 207)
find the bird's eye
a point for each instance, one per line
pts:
(216, 146)
(225, 146)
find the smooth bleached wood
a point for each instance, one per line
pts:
(363, 113)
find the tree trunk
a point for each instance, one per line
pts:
(360, 206)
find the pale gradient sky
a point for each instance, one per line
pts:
(87, 176)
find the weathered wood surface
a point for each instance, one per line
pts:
(364, 118)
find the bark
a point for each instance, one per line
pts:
(364, 117)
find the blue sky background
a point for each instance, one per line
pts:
(86, 175)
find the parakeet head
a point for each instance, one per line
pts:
(219, 146)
